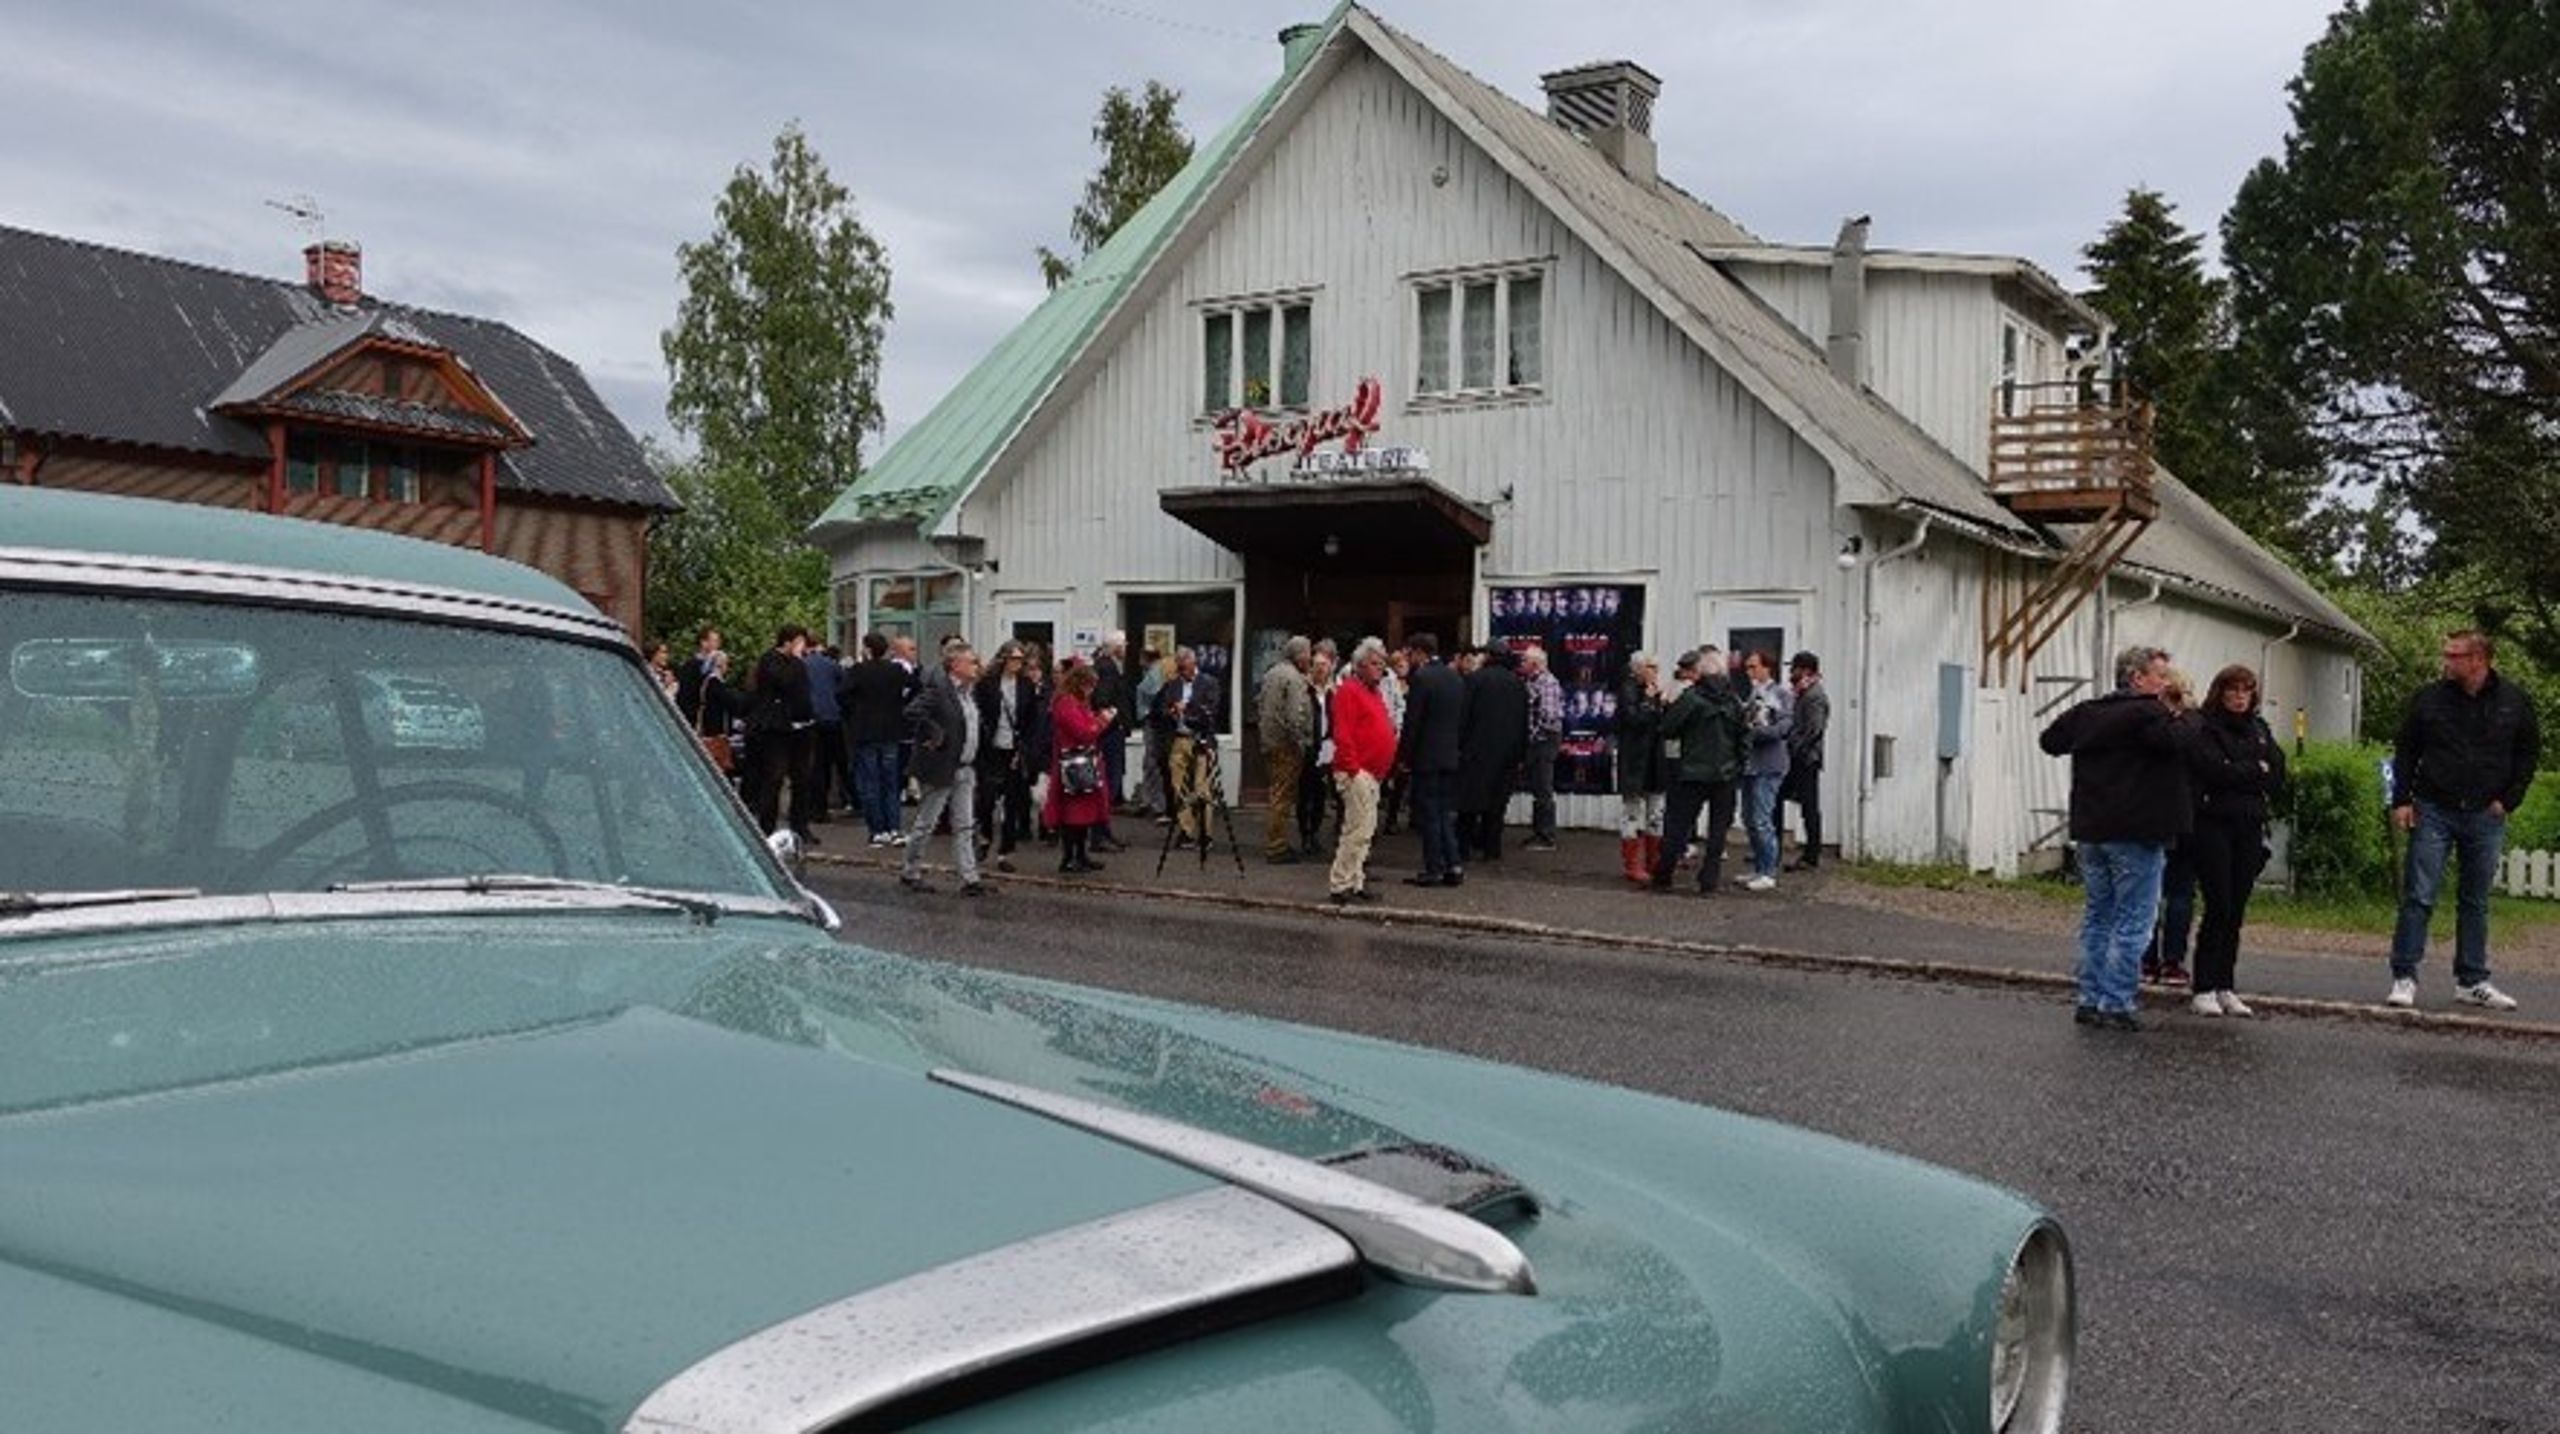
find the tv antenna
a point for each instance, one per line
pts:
(304, 209)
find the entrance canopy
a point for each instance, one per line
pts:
(1392, 522)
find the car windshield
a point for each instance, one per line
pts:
(150, 743)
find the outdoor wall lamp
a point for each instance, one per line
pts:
(1850, 547)
(1332, 545)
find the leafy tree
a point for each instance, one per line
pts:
(2397, 268)
(774, 358)
(1142, 146)
(732, 559)
(2216, 427)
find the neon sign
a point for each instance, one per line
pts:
(1244, 437)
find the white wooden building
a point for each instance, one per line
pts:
(1638, 417)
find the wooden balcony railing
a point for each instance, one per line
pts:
(2070, 452)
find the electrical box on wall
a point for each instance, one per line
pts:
(1955, 708)
(1882, 763)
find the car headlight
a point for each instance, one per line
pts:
(2031, 1341)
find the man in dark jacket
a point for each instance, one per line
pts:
(2465, 755)
(2128, 802)
(1113, 693)
(1435, 717)
(876, 691)
(778, 727)
(1804, 754)
(1704, 735)
(943, 718)
(1496, 741)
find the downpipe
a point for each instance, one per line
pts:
(1867, 673)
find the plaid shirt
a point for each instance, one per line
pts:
(1546, 708)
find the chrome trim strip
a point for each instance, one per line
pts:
(977, 1315)
(1412, 1240)
(125, 572)
(281, 906)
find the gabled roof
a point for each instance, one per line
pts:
(1666, 243)
(120, 347)
(934, 463)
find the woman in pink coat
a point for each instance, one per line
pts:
(1075, 728)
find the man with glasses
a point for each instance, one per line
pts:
(2128, 802)
(2464, 757)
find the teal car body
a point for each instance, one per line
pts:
(349, 1142)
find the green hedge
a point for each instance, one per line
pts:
(2342, 832)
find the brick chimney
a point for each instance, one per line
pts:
(335, 270)
(1609, 103)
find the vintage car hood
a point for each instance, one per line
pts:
(519, 1171)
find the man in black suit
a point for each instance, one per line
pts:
(876, 690)
(1112, 693)
(779, 725)
(1435, 714)
(1187, 711)
(1494, 740)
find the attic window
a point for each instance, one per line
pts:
(1257, 353)
(1480, 335)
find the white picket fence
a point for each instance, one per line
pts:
(2530, 873)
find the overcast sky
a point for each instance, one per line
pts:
(539, 162)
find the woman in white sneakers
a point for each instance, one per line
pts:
(2238, 770)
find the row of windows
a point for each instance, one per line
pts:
(1481, 335)
(351, 468)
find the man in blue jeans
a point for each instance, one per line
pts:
(2128, 802)
(2465, 755)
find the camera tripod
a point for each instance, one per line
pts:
(1207, 794)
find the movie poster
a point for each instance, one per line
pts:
(1589, 631)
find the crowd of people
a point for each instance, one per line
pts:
(1001, 750)
(2170, 809)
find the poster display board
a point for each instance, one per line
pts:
(1589, 631)
(1202, 619)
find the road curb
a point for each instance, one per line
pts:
(1950, 973)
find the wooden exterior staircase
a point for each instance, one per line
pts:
(2062, 454)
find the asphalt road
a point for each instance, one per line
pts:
(2280, 1224)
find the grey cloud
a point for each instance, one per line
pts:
(540, 163)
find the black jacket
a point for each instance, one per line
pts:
(1111, 691)
(1639, 740)
(1496, 738)
(781, 694)
(1026, 720)
(939, 727)
(1435, 714)
(2464, 752)
(1171, 714)
(2128, 768)
(874, 699)
(2237, 767)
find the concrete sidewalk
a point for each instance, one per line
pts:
(1826, 919)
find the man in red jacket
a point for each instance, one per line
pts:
(1364, 750)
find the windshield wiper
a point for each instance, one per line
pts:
(27, 903)
(703, 908)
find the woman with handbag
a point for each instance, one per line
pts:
(1077, 802)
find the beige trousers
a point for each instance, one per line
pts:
(1283, 766)
(1359, 823)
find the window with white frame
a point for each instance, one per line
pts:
(1257, 353)
(1481, 334)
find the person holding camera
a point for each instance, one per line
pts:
(1186, 711)
(1078, 802)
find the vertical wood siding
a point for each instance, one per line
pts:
(602, 552)
(175, 483)
(1641, 460)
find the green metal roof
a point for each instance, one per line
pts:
(189, 532)
(933, 463)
